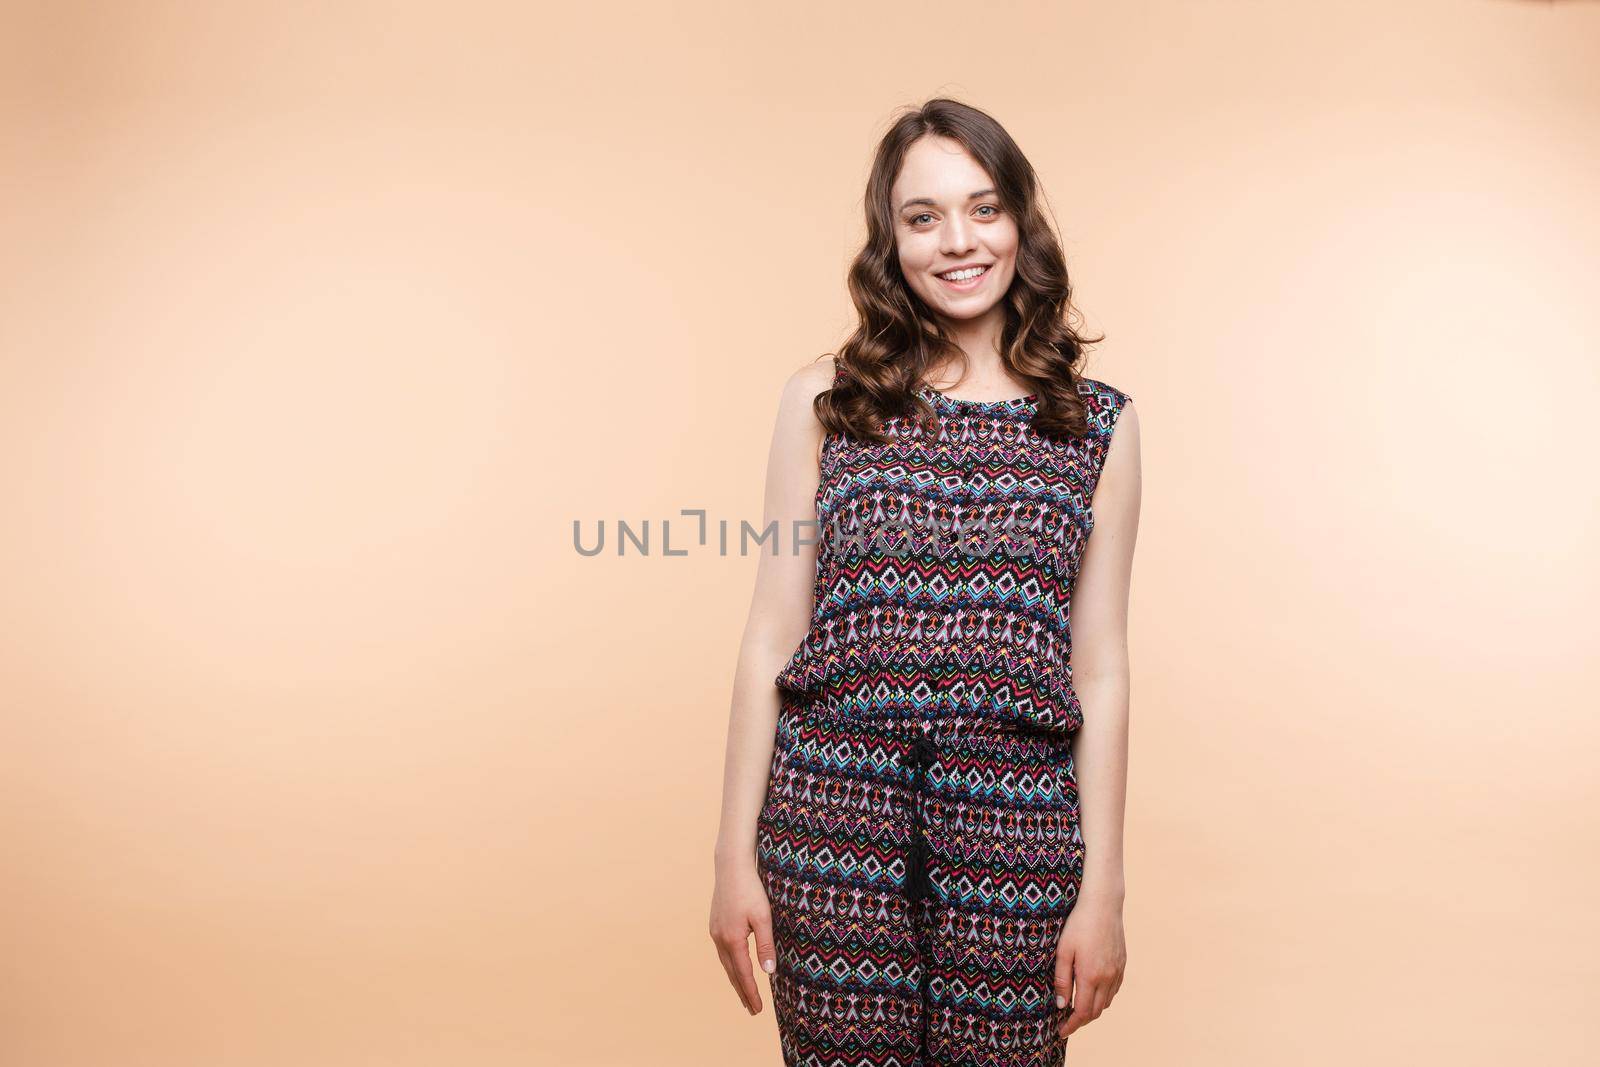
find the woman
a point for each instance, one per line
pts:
(923, 795)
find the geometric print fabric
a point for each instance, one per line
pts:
(919, 841)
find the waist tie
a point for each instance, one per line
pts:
(923, 753)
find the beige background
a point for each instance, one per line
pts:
(322, 323)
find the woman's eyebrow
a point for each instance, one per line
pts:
(934, 203)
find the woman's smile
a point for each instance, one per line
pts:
(964, 281)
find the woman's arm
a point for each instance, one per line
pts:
(1092, 956)
(780, 614)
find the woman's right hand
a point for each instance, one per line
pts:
(739, 908)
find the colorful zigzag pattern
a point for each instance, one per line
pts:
(919, 841)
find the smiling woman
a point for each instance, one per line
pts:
(961, 279)
(905, 832)
(923, 244)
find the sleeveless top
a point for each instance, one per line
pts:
(946, 560)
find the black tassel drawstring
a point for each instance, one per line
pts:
(918, 885)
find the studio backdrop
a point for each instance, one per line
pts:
(329, 333)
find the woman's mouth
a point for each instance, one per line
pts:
(963, 281)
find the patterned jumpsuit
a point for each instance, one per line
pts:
(919, 841)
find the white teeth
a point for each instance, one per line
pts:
(964, 275)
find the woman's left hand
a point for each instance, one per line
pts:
(1090, 955)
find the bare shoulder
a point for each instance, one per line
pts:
(799, 432)
(800, 389)
(810, 379)
(1120, 478)
(1127, 424)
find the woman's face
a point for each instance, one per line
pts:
(947, 216)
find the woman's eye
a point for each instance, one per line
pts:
(916, 220)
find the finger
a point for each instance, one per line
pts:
(733, 979)
(1082, 998)
(1093, 998)
(729, 966)
(1087, 1006)
(1063, 979)
(1064, 1011)
(747, 978)
(766, 951)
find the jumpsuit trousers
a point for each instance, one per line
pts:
(919, 873)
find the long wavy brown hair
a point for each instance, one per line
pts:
(898, 339)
